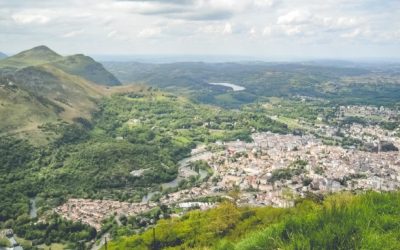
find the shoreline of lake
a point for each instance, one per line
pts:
(234, 87)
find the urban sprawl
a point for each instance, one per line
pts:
(274, 169)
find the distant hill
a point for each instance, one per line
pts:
(87, 68)
(2, 55)
(39, 86)
(79, 65)
(344, 83)
(35, 56)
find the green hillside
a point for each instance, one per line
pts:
(79, 65)
(35, 56)
(87, 68)
(91, 150)
(341, 221)
(22, 111)
(41, 94)
(341, 83)
(41, 86)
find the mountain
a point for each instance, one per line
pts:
(35, 56)
(39, 86)
(2, 55)
(87, 68)
(42, 94)
(21, 112)
(79, 65)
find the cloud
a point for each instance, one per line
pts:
(112, 34)
(357, 33)
(30, 18)
(295, 17)
(150, 33)
(162, 1)
(253, 32)
(73, 33)
(303, 22)
(264, 3)
(203, 15)
(227, 29)
(340, 23)
(217, 29)
(267, 31)
(248, 26)
(193, 10)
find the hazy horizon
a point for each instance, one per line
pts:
(218, 58)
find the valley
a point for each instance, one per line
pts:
(86, 157)
(275, 170)
(200, 125)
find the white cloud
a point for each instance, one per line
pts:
(30, 18)
(267, 31)
(264, 3)
(216, 29)
(227, 29)
(339, 23)
(73, 33)
(295, 17)
(112, 33)
(250, 26)
(315, 24)
(292, 30)
(253, 32)
(357, 33)
(352, 34)
(150, 33)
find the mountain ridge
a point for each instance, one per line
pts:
(31, 57)
(80, 65)
(40, 86)
(87, 68)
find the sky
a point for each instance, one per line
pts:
(268, 29)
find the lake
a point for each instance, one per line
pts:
(234, 87)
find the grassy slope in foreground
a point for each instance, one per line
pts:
(341, 221)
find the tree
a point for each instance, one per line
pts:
(4, 242)
(234, 193)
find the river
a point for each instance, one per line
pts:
(33, 209)
(234, 87)
(184, 172)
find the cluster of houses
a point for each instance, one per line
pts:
(93, 212)
(272, 170)
(368, 111)
(372, 134)
(250, 166)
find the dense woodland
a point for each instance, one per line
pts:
(340, 83)
(153, 130)
(148, 130)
